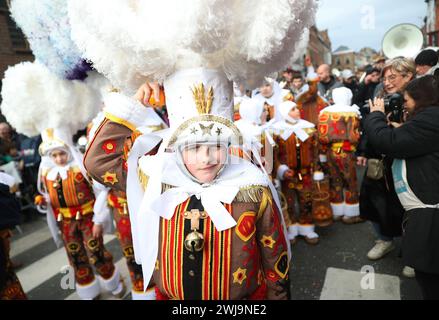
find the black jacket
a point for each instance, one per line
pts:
(9, 209)
(417, 141)
(325, 89)
(364, 93)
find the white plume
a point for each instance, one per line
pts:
(35, 99)
(132, 41)
(46, 26)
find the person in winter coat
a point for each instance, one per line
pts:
(415, 150)
(378, 200)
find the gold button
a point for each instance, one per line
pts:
(192, 257)
(192, 273)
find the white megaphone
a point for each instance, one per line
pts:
(404, 40)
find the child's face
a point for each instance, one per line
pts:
(294, 113)
(266, 91)
(59, 157)
(204, 161)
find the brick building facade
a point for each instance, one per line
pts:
(319, 47)
(13, 46)
(432, 23)
(344, 58)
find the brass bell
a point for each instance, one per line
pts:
(194, 242)
(78, 215)
(125, 209)
(59, 218)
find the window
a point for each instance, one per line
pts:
(348, 62)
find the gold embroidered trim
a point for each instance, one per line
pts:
(310, 131)
(251, 194)
(338, 115)
(206, 117)
(121, 121)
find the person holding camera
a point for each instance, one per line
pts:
(415, 171)
(378, 200)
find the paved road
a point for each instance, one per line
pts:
(344, 248)
(317, 272)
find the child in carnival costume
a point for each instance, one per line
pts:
(297, 165)
(339, 134)
(258, 141)
(205, 224)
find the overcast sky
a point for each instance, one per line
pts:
(361, 23)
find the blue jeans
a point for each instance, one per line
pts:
(377, 228)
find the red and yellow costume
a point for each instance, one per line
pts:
(298, 155)
(72, 200)
(117, 200)
(339, 134)
(310, 102)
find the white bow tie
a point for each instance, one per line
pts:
(62, 171)
(299, 132)
(211, 198)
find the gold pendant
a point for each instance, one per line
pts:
(194, 241)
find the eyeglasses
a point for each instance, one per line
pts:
(393, 77)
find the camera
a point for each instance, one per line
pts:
(393, 105)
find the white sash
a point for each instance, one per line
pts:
(405, 194)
